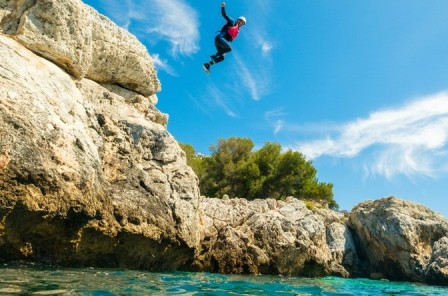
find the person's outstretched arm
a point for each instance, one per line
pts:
(223, 12)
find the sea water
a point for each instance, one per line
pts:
(21, 279)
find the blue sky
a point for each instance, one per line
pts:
(360, 87)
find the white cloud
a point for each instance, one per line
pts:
(162, 64)
(266, 47)
(219, 99)
(247, 78)
(177, 22)
(173, 21)
(256, 82)
(260, 22)
(278, 126)
(263, 43)
(274, 117)
(409, 140)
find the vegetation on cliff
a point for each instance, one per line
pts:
(236, 169)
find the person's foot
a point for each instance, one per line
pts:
(206, 67)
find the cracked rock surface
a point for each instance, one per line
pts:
(275, 237)
(78, 39)
(403, 240)
(89, 174)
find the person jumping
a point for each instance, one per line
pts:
(227, 34)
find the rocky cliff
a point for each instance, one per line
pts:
(402, 240)
(274, 237)
(89, 174)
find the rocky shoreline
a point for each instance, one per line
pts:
(90, 176)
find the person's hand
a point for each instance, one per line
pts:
(223, 4)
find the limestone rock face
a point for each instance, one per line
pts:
(80, 40)
(403, 240)
(88, 172)
(274, 237)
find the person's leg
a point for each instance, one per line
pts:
(222, 47)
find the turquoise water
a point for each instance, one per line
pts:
(18, 279)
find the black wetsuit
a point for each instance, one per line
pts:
(223, 38)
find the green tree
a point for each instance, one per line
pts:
(195, 161)
(227, 168)
(266, 159)
(233, 168)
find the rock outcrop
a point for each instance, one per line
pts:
(81, 41)
(273, 237)
(89, 174)
(402, 240)
(384, 239)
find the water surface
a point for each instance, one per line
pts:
(21, 279)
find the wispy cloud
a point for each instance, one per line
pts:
(177, 22)
(173, 21)
(274, 117)
(219, 99)
(200, 105)
(266, 47)
(162, 64)
(409, 140)
(259, 24)
(256, 81)
(263, 43)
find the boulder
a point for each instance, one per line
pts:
(81, 41)
(402, 240)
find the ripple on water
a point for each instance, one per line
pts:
(20, 279)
